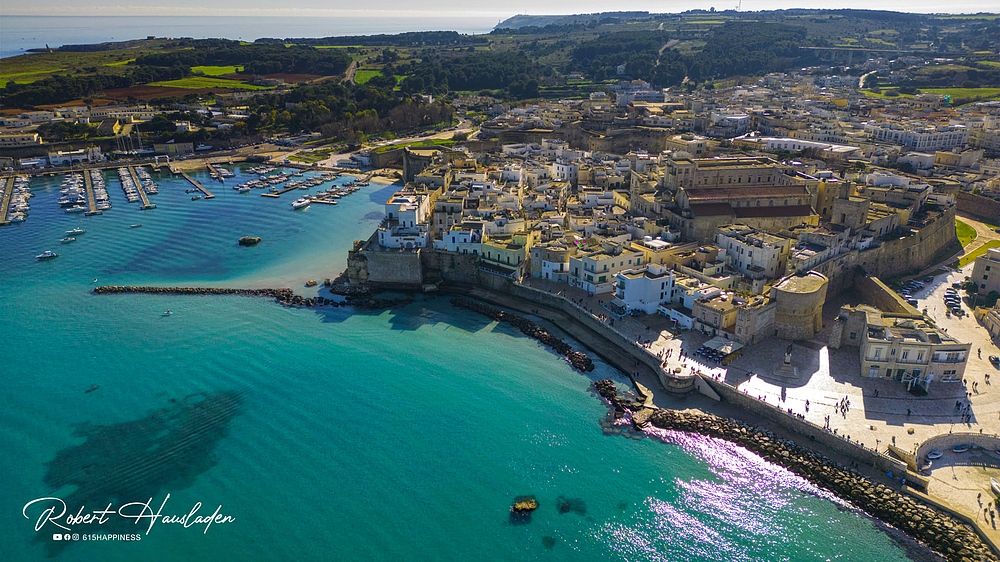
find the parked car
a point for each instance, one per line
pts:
(929, 279)
(912, 302)
(995, 361)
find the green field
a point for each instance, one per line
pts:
(965, 260)
(961, 96)
(431, 143)
(965, 233)
(199, 82)
(308, 157)
(363, 75)
(24, 69)
(216, 70)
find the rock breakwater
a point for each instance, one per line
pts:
(942, 533)
(577, 359)
(284, 296)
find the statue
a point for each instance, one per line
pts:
(785, 371)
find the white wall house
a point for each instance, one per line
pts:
(643, 289)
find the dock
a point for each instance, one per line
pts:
(280, 192)
(88, 183)
(197, 185)
(142, 191)
(325, 201)
(8, 190)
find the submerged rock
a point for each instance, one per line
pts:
(249, 241)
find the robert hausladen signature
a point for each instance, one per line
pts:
(54, 511)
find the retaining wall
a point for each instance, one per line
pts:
(813, 432)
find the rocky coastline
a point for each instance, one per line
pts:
(284, 296)
(577, 359)
(939, 531)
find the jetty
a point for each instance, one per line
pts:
(280, 192)
(88, 184)
(196, 184)
(214, 173)
(8, 190)
(141, 190)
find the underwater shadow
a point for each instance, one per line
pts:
(140, 459)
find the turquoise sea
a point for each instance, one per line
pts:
(334, 434)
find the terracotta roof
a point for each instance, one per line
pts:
(744, 192)
(711, 209)
(790, 211)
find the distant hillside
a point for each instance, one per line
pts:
(525, 20)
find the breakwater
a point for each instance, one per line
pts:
(577, 359)
(950, 538)
(285, 297)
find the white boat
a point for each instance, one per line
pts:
(934, 455)
(134, 225)
(961, 448)
(167, 312)
(67, 239)
(76, 209)
(47, 255)
(301, 203)
(995, 486)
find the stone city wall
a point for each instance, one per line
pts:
(876, 293)
(978, 206)
(936, 241)
(393, 268)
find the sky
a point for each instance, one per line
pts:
(452, 8)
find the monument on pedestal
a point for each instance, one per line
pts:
(786, 371)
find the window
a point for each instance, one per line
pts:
(905, 354)
(878, 352)
(854, 335)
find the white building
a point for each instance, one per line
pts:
(643, 289)
(755, 254)
(920, 138)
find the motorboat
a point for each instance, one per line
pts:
(47, 255)
(75, 231)
(134, 225)
(961, 448)
(67, 240)
(995, 486)
(167, 312)
(301, 203)
(934, 455)
(196, 197)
